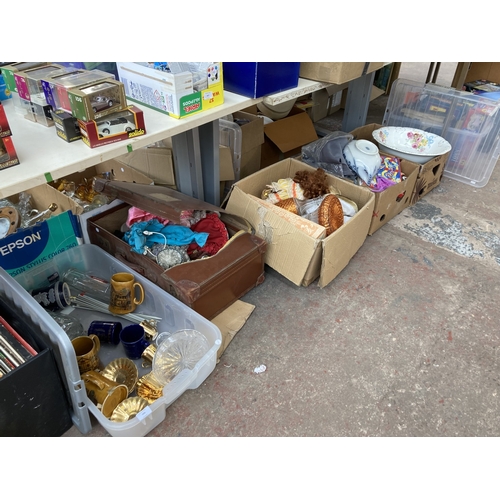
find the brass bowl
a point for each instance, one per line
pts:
(128, 409)
(149, 388)
(123, 371)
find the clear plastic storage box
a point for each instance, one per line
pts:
(469, 122)
(175, 316)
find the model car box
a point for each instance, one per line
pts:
(29, 247)
(292, 251)
(55, 88)
(28, 82)
(99, 99)
(396, 198)
(4, 123)
(66, 125)
(9, 70)
(176, 94)
(257, 79)
(337, 72)
(8, 154)
(113, 128)
(206, 285)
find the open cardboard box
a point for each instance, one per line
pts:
(252, 139)
(295, 253)
(337, 72)
(395, 199)
(284, 138)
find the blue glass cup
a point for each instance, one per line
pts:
(134, 342)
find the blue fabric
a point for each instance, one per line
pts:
(172, 235)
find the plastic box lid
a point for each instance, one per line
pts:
(175, 316)
(469, 122)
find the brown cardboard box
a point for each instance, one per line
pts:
(155, 162)
(337, 72)
(484, 71)
(284, 138)
(394, 199)
(252, 138)
(291, 251)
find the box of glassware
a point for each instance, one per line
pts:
(38, 224)
(78, 187)
(151, 387)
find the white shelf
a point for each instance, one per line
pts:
(303, 88)
(43, 155)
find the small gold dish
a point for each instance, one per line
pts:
(149, 388)
(123, 371)
(128, 409)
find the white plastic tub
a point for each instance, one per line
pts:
(175, 316)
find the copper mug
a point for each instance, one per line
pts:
(87, 352)
(126, 293)
(105, 393)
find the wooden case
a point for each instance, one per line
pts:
(208, 285)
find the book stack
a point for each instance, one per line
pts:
(14, 350)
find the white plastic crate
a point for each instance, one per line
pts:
(469, 122)
(175, 316)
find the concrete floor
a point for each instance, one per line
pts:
(403, 342)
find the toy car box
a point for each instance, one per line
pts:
(113, 128)
(28, 82)
(4, 123)
(176, 94)
(8, 154)
(207, 285)
(9, 70)
(99, 99)
(66, 125)
(56, 87)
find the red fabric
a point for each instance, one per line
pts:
(218, 236)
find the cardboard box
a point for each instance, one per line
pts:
(327, 101)
(113, 128)
(155, 162)
(430, 176)
(30, 247)
(8, 154)
(119, 171)
(97, 100)
(394, 199)
(256, 79)
(252, 139)
(177, 95)
(292, 252)
(284, 138)
(337, 72)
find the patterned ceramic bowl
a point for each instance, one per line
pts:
(410, 143)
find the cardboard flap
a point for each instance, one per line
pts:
(252, 132)
(291, 132)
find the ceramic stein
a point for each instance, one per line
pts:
(126, 293)
(87, 352)
(105, 393)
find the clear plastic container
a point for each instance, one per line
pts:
(230, 136)
(469, 122)
(175, 316)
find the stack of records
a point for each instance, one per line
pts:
(14, 350)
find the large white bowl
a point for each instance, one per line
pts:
(412, 144)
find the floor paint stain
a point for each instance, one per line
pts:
(450, 338)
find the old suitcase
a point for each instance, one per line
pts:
(207, 285)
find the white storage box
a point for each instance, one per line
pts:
(469, 122)
(175, 316)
